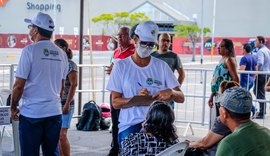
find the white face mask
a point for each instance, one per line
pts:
(31, 35)
(111, 46)
(144, 52)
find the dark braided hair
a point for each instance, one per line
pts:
(61, 43)
(229, 46)
(224, 85)
(159, 122)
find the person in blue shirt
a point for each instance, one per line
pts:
(248, 63)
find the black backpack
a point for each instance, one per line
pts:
(90, 119)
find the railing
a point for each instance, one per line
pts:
(7, 76)
(196, 89)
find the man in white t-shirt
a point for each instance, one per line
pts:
(41, 71)
(141, 74)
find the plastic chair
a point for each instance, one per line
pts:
(178, 149)
(4, 93)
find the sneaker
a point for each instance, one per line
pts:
(259, 117)
(255, 115)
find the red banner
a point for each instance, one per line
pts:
(182, 45)
(99, 43)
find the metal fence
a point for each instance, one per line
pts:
(6, 76)
(196, 89)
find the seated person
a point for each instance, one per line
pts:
(158, 132)
(247, 138)
(218, 131)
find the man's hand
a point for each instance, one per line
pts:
(66, 108)
(109, 69)
(15, 114)
(15, 97)
(163, 95)
(144, 92)
(210, 101)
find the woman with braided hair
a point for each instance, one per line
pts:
(158, 132)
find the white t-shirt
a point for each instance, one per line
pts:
(126, 78)
(43, 65)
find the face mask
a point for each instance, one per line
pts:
(31, 36)
(111, 46)
(144, 52)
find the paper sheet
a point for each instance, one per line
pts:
(140, 101)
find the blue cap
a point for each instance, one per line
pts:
(237, 100)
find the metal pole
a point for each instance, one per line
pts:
(202, 35)
(103, 84)
(11, 73)
(213, 29)
(80, 57)
(204, 97)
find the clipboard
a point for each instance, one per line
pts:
(140, 101)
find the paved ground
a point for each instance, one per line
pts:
(97, 143)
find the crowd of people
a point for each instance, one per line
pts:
(46, 80)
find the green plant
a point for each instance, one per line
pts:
(137, 17)
(118, 19)
(192, 32)
(121, 18)
(105, 20)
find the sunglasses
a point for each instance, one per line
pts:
(31, 26)
(150, 45)
(219, 47)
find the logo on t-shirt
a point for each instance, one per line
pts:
(46, 52)
(54, 53)
(149, 81)
(157, 82)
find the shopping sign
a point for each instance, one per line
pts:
(4, 115)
